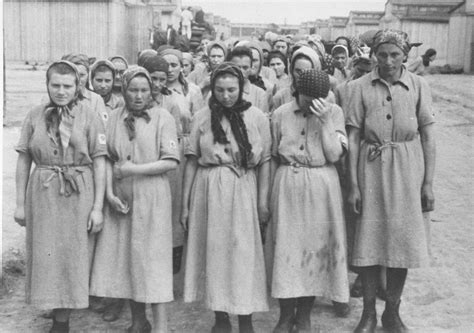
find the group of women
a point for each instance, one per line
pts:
(257, 192)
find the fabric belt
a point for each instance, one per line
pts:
(375, 148)
(295, 166)
(238, 170)
(67, 175)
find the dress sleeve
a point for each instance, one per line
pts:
(337, 116)
(193, 148)
(169, 148)
(424, 108)
(355, 107)
(26, 133)
(266, 137)
(275, 132)
(96, 138)
(197, 101)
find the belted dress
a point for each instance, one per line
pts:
(225, 264)
(306, 238)
(391, 231)
(59, 199)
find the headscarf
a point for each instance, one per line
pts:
(108, 64)
(349, 44)
(189, 57)
(255, 79)
(61, 114)
(129, 120)
(144, 54)
(309, 54)
(214, 44)
(157, 64)
(342, 47)
(77, 59)
(314, 83)
(233, 114)
(120, 58)
(395, 37)
(181, 79)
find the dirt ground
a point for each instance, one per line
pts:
(436, 299)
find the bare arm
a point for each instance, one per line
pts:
(22, 176)
(263, 191)
(429, 154)
(354, 147)
(190, 170)
(153, 168)
(96, 218)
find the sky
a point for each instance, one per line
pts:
(281, 11)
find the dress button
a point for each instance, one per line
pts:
(389, 98)
(55, 152)
(301, 147)
(302, 132)
(129, 157)
(226, 150)
(389, 117)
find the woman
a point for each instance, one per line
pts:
(121, 66)
(307, 222)
(391, 160)
(61, 201)
(419, 65)
(102, 80)
(224, 197)
(133, 257)
(188, 64)
(278, 63)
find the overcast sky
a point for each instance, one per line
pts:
(277, 11)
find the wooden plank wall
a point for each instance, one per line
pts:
(460, 42)
(44, 31)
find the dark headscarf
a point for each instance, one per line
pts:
(144, 54)
(314, 83)
(233, 114)
(61, 114)
(426, 57)
(157, 64)
(129, 120)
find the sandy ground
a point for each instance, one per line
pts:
(436, 299)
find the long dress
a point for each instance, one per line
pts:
(56, 224)
(391, 230)
(133, 257)
(225, 264)
(307, 219)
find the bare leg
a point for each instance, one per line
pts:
(160, 318)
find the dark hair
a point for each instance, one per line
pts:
(240, 52)
(279, 55)
(426, 57)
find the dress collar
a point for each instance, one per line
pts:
(403, 80)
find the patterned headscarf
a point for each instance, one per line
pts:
(395, 37)
(233, 114)
(128, 76)
(314, 83)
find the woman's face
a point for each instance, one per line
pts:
(159, 80)
(281, 46)
(187, 67)
(278, 66)
(389, 59)
(245, 65)
(83, 76)
(120, 69)
(62, 88)
(103, 82)
(174, 67)
(226, 90)
(301, 64)
(255, 62)
(304, 102)
(216, 57)
(433, 57)
(138, 93)
(340, 60)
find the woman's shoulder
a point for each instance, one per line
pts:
(36, 112)
(285, 109)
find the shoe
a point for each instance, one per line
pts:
(222, 324)
(97, 304)
(391, 320)
(367, 324)
(341, 310)
(59, 327)
(143, 327)
(113, 310)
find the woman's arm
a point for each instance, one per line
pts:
(332, 146)
(23, 167)
(354, 199)
(189, 174)
(429, 154)
(263, 190)
(146, 169)
(96, 220)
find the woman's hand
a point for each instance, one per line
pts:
(184, 218)
(355, 200)
(96, 221)
(320, 108)
(117, 204)
(263, 214)
(123, 170)
(19, 216)
(427, 198)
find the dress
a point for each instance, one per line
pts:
(225, 263)
(133, 257)
(391, 230)
(257, 96)
(56, 224)
(307, 221)
(115, 101)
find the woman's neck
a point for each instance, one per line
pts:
(175, 85)
(392, 78)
